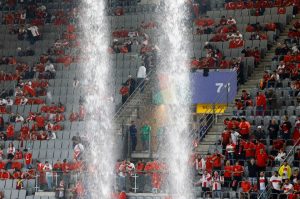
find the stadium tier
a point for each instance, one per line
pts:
(243, 119)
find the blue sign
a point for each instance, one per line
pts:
(218, 87)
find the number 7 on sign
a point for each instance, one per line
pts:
(220, 86)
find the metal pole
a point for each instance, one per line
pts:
(227, 93)
(135, 187)
(36, 183)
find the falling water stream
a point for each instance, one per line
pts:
(96, 69)
(173, 65)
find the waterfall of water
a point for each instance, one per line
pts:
(174, 68)
(96, 69)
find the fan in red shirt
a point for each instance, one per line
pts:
(194, 63)
(10, 131)
(249, 149)
(25, 134)
(244, 128)
(261, 103)
(140, 167)
(238, 171)
(5, 175)
(18, 155)
(16, 174)
(59, 117)
(261, 160)
(217, 161)
(246, 187)
(40, 121)
(227, 173)
(27, 158)
(209, 164)
(225, 138)
(65, 166)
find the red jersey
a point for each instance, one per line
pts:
(209, 164)
(244, 128)
(238, 170)
(246, 186)
(261, 159)
(18, 155)
(10, 131)
(217, 161)
(228, 171)
(28, 158)
(226, 137)
(40, 121)
(249, 148)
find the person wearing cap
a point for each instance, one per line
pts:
(259, 133)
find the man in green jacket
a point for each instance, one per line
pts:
(145, 136)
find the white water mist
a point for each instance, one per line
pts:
(174, 55)
(96, 67)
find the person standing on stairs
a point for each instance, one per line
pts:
(133, 137)
(145, 136)
(141, 77)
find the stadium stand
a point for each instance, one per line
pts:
(42, 92)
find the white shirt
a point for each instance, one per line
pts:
(231, 21)
(11, 150)
(216, 183)
(276, 182)
(262, 183)
(206, 180)
(3, 102)
(9, 102)
(141, 72)
(234, 137)
(133, 34)
(280, 156)
(78, 148)
(24, 101)
(287, 188)
(49, 67)
(34, 31)
(48, 169)
(19, 119)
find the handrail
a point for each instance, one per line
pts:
(144, 83)
(287, 158)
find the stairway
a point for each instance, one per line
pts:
(130, 109)
(214, 133)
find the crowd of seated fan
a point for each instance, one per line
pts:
(242, 163)
(226, 29)
(132, 37)
(249, 4)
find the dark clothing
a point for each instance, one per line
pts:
(133, 130)
(273, 131)
(252, 170)
(131, 83)
(271, 100)
(133, 138)
(259, 135)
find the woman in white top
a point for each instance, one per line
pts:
(11, 151)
